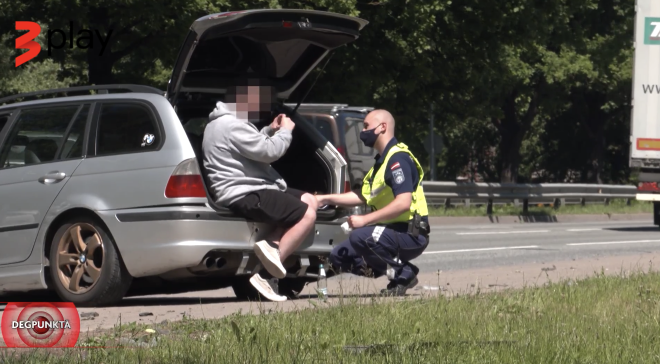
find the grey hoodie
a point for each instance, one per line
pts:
(237, 156)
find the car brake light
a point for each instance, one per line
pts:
(185, 181)
(287, 24)
(342, 151)
(648, 186)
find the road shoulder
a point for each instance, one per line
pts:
(220, 303)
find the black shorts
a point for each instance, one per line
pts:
(284, 209)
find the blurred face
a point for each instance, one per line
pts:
(254, 102)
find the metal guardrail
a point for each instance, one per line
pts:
(448, 193)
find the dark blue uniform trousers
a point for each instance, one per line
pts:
(376, 247)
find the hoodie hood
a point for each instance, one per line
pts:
(222, 109)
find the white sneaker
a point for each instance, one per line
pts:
(265, 288)
(270, 258)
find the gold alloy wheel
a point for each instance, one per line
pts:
(80, 258)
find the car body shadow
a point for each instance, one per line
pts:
(174, 301)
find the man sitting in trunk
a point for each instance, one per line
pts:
(237, 159)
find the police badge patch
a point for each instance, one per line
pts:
(398, 176)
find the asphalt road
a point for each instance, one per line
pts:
(490, 256)
(484, 246)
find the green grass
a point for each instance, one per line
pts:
(604, 319)
(618, 206)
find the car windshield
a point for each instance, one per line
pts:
(324, 124)
(353, 125)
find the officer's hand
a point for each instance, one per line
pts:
(287, 123)
(356, 221)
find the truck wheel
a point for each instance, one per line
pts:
(85, 266)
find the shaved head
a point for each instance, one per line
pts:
(382, 122)
(381, 116)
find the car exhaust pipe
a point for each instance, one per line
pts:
(209, 262)
(220, 262)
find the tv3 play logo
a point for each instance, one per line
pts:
(26, 41)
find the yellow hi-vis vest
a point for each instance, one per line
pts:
(378, 194)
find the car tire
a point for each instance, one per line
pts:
(96, 286)
(291, 287)
(244, 290)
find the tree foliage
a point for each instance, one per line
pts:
(523, 90)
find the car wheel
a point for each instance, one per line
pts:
(244, 290)
(85, 266)
(291, 287)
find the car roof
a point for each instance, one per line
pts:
(332, 107)
(67, 99)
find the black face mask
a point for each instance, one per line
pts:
(369, 137)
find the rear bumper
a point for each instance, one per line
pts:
(154, 241)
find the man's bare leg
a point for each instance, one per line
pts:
(293, 237)
(272, 257)
(277, 234)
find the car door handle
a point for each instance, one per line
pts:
(52, 177)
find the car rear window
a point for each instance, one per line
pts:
(126, 128)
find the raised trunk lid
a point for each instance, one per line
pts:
(280, 45)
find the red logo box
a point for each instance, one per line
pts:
(40, 325)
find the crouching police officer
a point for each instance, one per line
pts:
(397, 231)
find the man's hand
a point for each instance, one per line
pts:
(357, 221)
(277, 123)
(286, 123)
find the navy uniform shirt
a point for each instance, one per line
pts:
(401, 174)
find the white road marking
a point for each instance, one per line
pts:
(597, 229)
(481, 249)
(617, 242)
(489, 227)
(506, 232)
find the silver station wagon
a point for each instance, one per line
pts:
(103, 196)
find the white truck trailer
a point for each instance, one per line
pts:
(645, 121)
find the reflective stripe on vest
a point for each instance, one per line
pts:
(378, 194)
